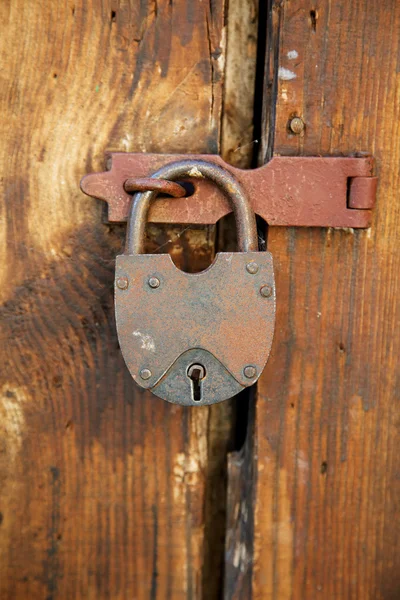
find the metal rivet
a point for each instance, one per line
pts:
(252, 268)
(266, 291)
(145, 373)
(154, 282)
(296, 125)
(122, 283)
(250, 371)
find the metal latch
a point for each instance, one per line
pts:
(200, 338)
(298, 191)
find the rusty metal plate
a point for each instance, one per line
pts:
(168, 319)
(298, 191)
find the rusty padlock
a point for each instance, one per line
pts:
(195, 338)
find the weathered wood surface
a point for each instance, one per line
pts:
(240, 510)
(327, 496)
(238, 148)
(237, 142)
(106, 492)
(103, 488)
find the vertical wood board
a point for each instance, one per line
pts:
(103, 487)
(327, 497)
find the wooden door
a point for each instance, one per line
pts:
(290, 491)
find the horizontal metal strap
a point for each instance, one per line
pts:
(298, 191)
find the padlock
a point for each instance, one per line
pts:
(195, 338)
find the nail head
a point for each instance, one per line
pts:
(122, 283)
(252, 268)
(250, 371)
(145, 373)
(154, 282)
(266, 291)
(296, 125)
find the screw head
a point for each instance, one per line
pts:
(296, 125)
(266, 291)
(250, 371)
(145, 373)
(252, 268)
(154, 282)
(122, 283)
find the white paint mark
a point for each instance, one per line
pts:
(292, 54)
(286, 74)
(126, 142)
(303, 466)
(12, 418)
(194, 172)
(240, 556)
(187, 472)
(345, 229)
(147, 341)
(236, 556)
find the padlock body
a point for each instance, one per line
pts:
(223, 316)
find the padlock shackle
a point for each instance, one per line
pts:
(244, 215)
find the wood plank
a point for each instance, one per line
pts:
(238, 148)
(237, 143)
(240, 509)
(327, 491)
(103, 487)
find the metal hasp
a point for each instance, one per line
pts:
(195, 338)
(200, 338)
(287, 191)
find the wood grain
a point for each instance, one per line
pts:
(327, 491)
(237, 143)
(238, 148)
(103, 488)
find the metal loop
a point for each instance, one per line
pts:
(244, 215)
(147, 184)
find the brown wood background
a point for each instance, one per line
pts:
(105, 491)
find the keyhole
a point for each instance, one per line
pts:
(196, 373)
